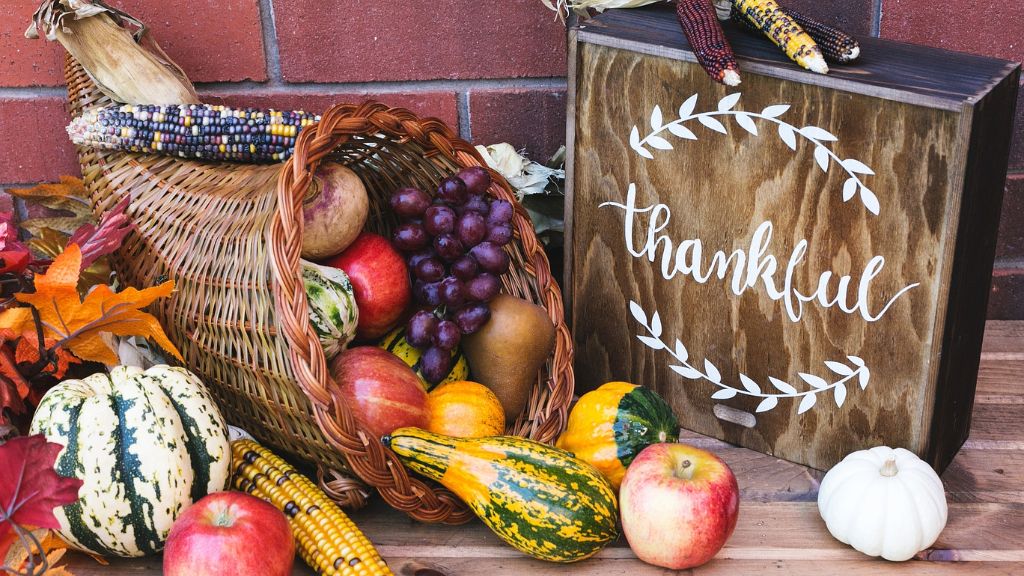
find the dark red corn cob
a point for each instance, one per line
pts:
(835, 45)
(700, 24)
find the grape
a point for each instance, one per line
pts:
(465, 268)
(447, 335)
(448, 247)
(500, 234)
(435, 364)
(476, 178)
(452, 190)
(453, 291)
(415, 258)
(409, 237)
(483, 287)
(476, 204)
(501, 212)
(421, 329)
(471, 229)
(472, 318)
(409, 203)
(427, 293)
(490, 257)
(429, 269)
(439, 220)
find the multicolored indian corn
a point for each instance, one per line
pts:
(699, 21)
(835, 45)
(783, 30)
(195, 131)
(327, 539)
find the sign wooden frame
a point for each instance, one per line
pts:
(800, 264)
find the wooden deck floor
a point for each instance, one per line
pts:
(779, 530)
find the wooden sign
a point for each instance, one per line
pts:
(800, 264)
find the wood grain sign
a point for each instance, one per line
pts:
(800, 265)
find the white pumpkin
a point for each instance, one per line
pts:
(884, 502)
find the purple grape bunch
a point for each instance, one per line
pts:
(454, 244)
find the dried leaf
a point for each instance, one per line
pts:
(77, 324)
(69, 195)
(29, 487)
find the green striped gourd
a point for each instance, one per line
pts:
(146, 444)
(332, 306)
(538, 499)
(609, 426)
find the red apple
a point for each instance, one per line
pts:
(382, 390)
(230, 533)
(679, 505)
(380, 279)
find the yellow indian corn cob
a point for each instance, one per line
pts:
(784, 32)
(327, 539)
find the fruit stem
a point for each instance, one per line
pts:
(889, 469)
(224, 518)
(686, 470)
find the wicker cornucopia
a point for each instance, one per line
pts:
(230, 236)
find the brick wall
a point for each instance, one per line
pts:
(496, 70)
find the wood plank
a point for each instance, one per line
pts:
(451, 566)
(986, 476)
(1004, 340)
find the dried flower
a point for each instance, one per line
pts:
(525, 176)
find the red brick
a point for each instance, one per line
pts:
(853, 16)
(25, 62)
(1017, 148)
(533, 120)
(1011, 225)
(33, 144)
(364, 40)
(212, 40)
(1007, 299)
(989, 27)
(442, 105)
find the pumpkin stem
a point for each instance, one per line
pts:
(685, 470)
(889, 469)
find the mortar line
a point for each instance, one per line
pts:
(388, 87)
(876, 18)
(465, 117)
(28, 92)
(271, 51)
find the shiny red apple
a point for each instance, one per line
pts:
(230, 533)
(381, 389)
(679, 505)
(380, 280)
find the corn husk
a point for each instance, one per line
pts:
(128, 67)
(581, 6)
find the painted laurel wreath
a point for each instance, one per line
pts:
(823, 156)
(854, 372)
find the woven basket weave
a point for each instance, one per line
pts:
(230, 237)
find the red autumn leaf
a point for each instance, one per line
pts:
(96, 242)
(29, 486)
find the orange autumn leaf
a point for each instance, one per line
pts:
(76, 324)
(27, 352)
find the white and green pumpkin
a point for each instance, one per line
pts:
(332, 306)
(146, 444)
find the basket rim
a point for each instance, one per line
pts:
(368, 458)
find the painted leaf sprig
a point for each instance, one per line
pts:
(77, 324)
(824, 157)
(30, 489)
(856, 371)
